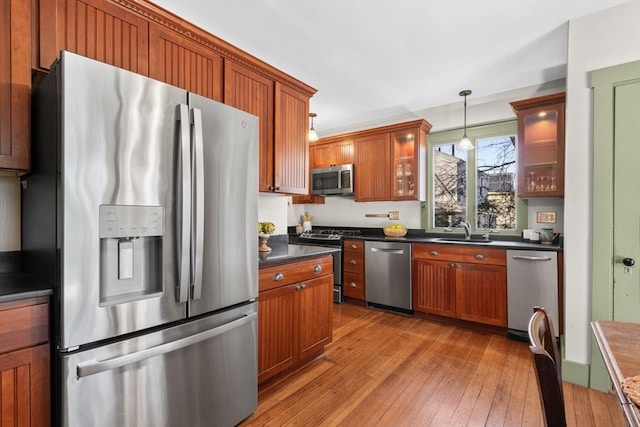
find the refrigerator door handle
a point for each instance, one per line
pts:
(184, 213)
(198, 197)
(91, 367)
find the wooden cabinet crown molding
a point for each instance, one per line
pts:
(421, 123)
(161, 16)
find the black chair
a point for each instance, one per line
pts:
(546, 360)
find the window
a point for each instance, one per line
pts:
(478, 186)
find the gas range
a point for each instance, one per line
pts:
(330, 237)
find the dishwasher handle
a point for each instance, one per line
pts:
(388, 251)
(531, 258)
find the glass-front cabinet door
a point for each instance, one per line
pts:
(408, 147)
(540, 146)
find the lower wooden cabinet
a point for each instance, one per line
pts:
(468, 283)
(295, 319)
(353, 265)
(24, 363)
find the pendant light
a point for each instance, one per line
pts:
(465, 143)
(313, 136)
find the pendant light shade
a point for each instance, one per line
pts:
(313, 136)
(465, 143)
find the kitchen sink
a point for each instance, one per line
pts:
(473, 240)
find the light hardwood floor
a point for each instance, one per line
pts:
(386, 369)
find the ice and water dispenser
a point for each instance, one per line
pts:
(130, 253)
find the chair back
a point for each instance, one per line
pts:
(546, 360)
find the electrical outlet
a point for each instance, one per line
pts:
(394, 215)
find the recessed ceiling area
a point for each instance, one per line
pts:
(375, 59)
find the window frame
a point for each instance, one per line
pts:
(506, 128)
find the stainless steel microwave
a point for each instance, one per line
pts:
(332, 181)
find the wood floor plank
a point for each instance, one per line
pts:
(386, 369)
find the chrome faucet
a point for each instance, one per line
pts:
(467, 230)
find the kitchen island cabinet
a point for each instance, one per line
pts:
(467, 283)
(15, 86)
(295, 314)
(24, 362)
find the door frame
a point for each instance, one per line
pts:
(603, 82)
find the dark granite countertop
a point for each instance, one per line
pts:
(501, 244)
(16, 286)
(420, 236)
(284, 252)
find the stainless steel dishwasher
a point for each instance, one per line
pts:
(387, 267)
(532, 279)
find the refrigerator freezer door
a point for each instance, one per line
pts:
(201, 373)
(118, 147)
(226, 205)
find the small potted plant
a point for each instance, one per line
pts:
(265, 229)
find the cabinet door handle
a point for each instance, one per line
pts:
(353, 262)
(352, 284)
(453, 265)
(317, 268)
(277, 277)
(479, 256)
(277, 188)
(434, 253)
(353, 246)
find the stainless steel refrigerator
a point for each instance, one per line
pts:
(141, 211)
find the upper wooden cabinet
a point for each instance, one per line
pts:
(291, 148)
(140, 36)
(184, 63)
(389, 161)
(254, 93)
(372, 168)
(331, 153)
(15, 85)
(409, 162)
(100, 30)
(540, 145)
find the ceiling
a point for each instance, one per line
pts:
(376, 59)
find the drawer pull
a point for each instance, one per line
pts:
(352, 284)
(434, 253)
(317, 268)
(354, 246)
(278, 277)
(353, 262)
(479, 256)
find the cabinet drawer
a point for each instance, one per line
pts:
(293, 272)
(460, 253)
(353, 285)
(23, 324)
(353, 262)
(353, 246)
